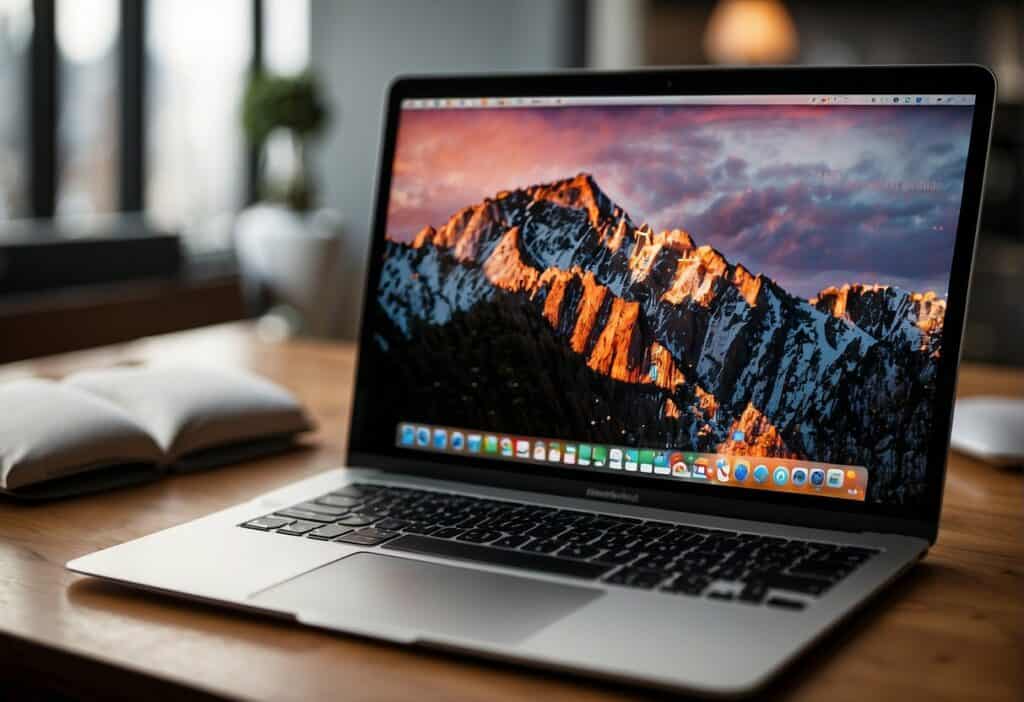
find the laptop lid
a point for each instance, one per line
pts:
(729, 291)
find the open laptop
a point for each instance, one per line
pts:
(649, 362)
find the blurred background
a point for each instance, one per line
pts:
(166, 164)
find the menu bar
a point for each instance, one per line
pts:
(727, 470)
(639, 100)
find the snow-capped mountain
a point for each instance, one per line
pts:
(911, 320)
(726, 350)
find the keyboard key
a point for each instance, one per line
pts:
(635, 577)
(735, 572)
(267, 523)
(663, 548)
(321, 509)
(298, 528)
(583, 536)
(566, 517)
(514, 526)
(653, 530)
(721, 545)
(753, 593)
(447, 533)
(545, 531)
(447, 520)
(357, 520)
(827, 570)
(305, 515)
(338, 501)
(613, 543)
(329, 531)
(392, 524)
(785, 603)
(420, 528)
(721, 595)
(367, 537)
(655, 562)
(512, 541)
(701, 553)
(624, 530)
(580, 551)
(793, 583)
(541, 546)
(479, 536)
(692, 585)
(619, 557)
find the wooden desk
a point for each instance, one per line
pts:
(953, 629)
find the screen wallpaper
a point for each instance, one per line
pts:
(763, 280)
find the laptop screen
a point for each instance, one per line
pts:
(745, 292)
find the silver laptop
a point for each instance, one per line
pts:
(655, 378)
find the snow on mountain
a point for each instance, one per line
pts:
(427, 284)
(907, 319)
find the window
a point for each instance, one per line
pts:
(286, 26)
(196, 73)
(88, 117)
(111, 105)
(15, 35)
(285, 52)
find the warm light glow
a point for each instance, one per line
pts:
(750, 31)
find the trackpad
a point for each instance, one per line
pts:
(413, 600)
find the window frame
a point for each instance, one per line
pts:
(42, 105)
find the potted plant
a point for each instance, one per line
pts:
(291, 104)
(288, 251)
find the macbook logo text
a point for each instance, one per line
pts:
(617, 495)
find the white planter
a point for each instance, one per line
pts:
(296, 258)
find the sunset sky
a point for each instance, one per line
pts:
(809, 195)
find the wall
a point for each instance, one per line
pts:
(359, 46)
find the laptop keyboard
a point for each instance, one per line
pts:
(659, 556)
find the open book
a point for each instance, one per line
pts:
(103, 428)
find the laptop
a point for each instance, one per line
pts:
(649, 362)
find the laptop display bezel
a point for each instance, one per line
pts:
(918, 520)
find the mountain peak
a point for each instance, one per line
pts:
(424, 236)
(834, 299)
(747, 283)
(580, 192)
(887, 312)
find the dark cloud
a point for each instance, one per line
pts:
(655, 177)
(867, 167)
(804, 227)
(939, 149)
(950, 174)
(734, 167)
